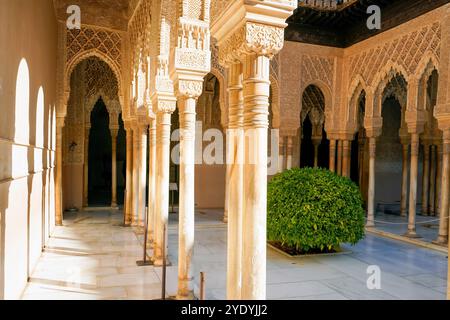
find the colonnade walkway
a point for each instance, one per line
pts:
(93, 257)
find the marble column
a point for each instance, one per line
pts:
(86, 166)
(187, 112)
(256, 110)
(361, 159)
(425, 178)
(129, 176)
(404, 194)
(339, 157)
(142, 172)
(114, 133)
(163, 123)
(316, 144)
(135, 188)
(437, 199)
(413, 186)
(58, 175)
(235, 186)
(444, 200)
(431, 207)
(346, 158)
(151, 181)
(281, 154)
(371, 188)
(289, 150)
(332, 165)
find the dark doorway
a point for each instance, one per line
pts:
(100, 153)
(307, 147)
(121, 162)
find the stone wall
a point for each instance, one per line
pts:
(28, 40)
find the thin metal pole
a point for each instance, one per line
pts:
(202, 286)
(164, 264)
(145, 235)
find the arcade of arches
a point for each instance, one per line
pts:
(93, 117)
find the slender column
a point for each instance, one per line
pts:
(425, 178)
(404, 195)
(86, 166)
(114, 133)
(371, 187)
(235, 186)
(163, 123)
(135, 188)
(431, 207)
(444, 201)
(361, 159)
(332, 164)
(187, 111)
(413, 186)
(281, 154)
(346, 158)
(142, 172)
(58, 175)
(339, 157)
(151, 181)
(289, 153)
(437, 199)
(256, 105)
(316, 144)
(129, 177)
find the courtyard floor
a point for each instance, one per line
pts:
(93, 257)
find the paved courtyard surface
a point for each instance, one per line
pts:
(92, 257)
(427, 227)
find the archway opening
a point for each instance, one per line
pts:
(99, 155)
(314, 150)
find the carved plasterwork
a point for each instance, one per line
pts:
(251, 38)
(406, 51)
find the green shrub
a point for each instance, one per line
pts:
(313, 210)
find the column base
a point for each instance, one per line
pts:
(403, 214)
(441, 240)
(225, 220)
(189, 296)
(114, 206)
(158, 262)
(370, 224)
(412, 234)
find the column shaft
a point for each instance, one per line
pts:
(425, 178)
(316, 153)
(135, 188)
(413, 185)
(332, 165)
(431, 207)
(151, 181)
(163, 123)
(235, 182)
(281, 154)
(86, 168)
(114, 168)
(371, 187)
(339, 157)
(58, 175)
(187, 197)
(289, 148)
(444, 200)
(346, 158)
(129, 178)
(256, 111)
(142, 172)
(404, 195)
(437, 199)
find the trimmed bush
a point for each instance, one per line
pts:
(313, 210)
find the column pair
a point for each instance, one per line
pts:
(128, 208)
(246, 274)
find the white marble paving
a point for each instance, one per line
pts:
(92, 257)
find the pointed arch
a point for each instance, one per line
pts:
(78, 58)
